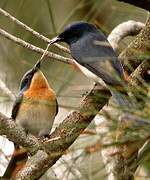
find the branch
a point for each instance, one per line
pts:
(143, 153)
(114, 157)
(34, 48)
(135, 151)
(130, 57)
(145, 4)
(16, 134)
(27, 28)
(129, 28)
(68, 131)
(134, 132)
(138, 84)
(5, 89)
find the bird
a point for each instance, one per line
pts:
(95, 57)
(35, 109)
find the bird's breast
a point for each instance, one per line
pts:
(37, 112)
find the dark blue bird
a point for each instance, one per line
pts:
(95, 57)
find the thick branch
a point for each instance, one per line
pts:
(60, 139)
(138, 84)
(115, 157)
(16, 134)
(27, 28)
(138, 49)
(116, 165)
(129, 28)
(145, 4)
(68, 130)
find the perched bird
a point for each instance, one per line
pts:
(95, 57)
(34, 109)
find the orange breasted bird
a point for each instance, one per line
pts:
(95, 57)
(34, 109)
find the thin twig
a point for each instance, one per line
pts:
(27, 28)
(34, 48)
(6, 90)
(143, 152)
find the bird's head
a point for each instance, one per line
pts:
(34, 78)
(74, 31)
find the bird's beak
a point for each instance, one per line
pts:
(54, 40)
(37, 65)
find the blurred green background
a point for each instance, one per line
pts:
(49, 17)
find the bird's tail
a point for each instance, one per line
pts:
(16, 163)
(122, 98)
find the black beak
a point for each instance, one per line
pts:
(54, 40)
(37, 65)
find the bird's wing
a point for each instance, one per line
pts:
(105, 71)
(57, 107)
(96, 54)
(16, 106)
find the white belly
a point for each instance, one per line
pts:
(90, 75)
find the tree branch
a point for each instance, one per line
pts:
(145, 4)
(139, 82)
(114, 157)
(34, 48)
(27, 28)
(143, 153)
(5, 89)
(138, 49)
(68, 130)
(16, 134)
(129, 28)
